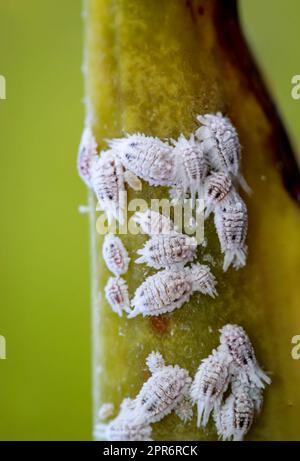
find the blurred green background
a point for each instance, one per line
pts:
(45, 383)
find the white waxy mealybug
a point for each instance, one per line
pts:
(164, 392)
(217, 188)
(154, 223)
(116, 293)
(235, 417)
(86, 153)
(209, 385)
(108, 180)
(236, 343)
(191, 166)
(108, 183)
(231, 222)
(234, 364)
(163, 251)
(149, 158)
(123, 427)
(115, 254)
(169, 289)
(221, 144)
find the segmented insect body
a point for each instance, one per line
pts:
(217, 188)
(116, 293)
(115, 254)
(235, 418)
(209, 385)
(235, 342)
(169, 289)
(107, 177)
(163, 392)
(87, 152)
(154, 223)
(202, 279)
(220, 141)
(231, 222)
(123, 427)
(221, 144)
(163, 251)
(149, 158)
(191, 166)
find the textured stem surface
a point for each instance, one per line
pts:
(151, 67)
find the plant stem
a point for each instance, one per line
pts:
(151, 67)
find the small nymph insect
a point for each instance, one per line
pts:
(149, 158)
(87, 152)
(191, 166)
(116, 293)
(163, 251)
(235, 418)
(108, 180)
(231, 222)
(115, 254)
(216, 190)
(209, 385)
(236, 343)
(221, 144)
(166, 390)
(169, 289)
(154, 223)
(123, 427)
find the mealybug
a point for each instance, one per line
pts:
(115, 254)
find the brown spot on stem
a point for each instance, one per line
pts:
(160, 324)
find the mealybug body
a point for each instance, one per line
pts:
(115, 254)
(149, 158)
(170, 289)
(108, 183)
(217, 188)
(87, 152)
(235, 342)
(236, 417)
(191, 166)
(116, 293)
(231, 222)
(221, 144)
(209, 385)
(163, 251)
(164, 391)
